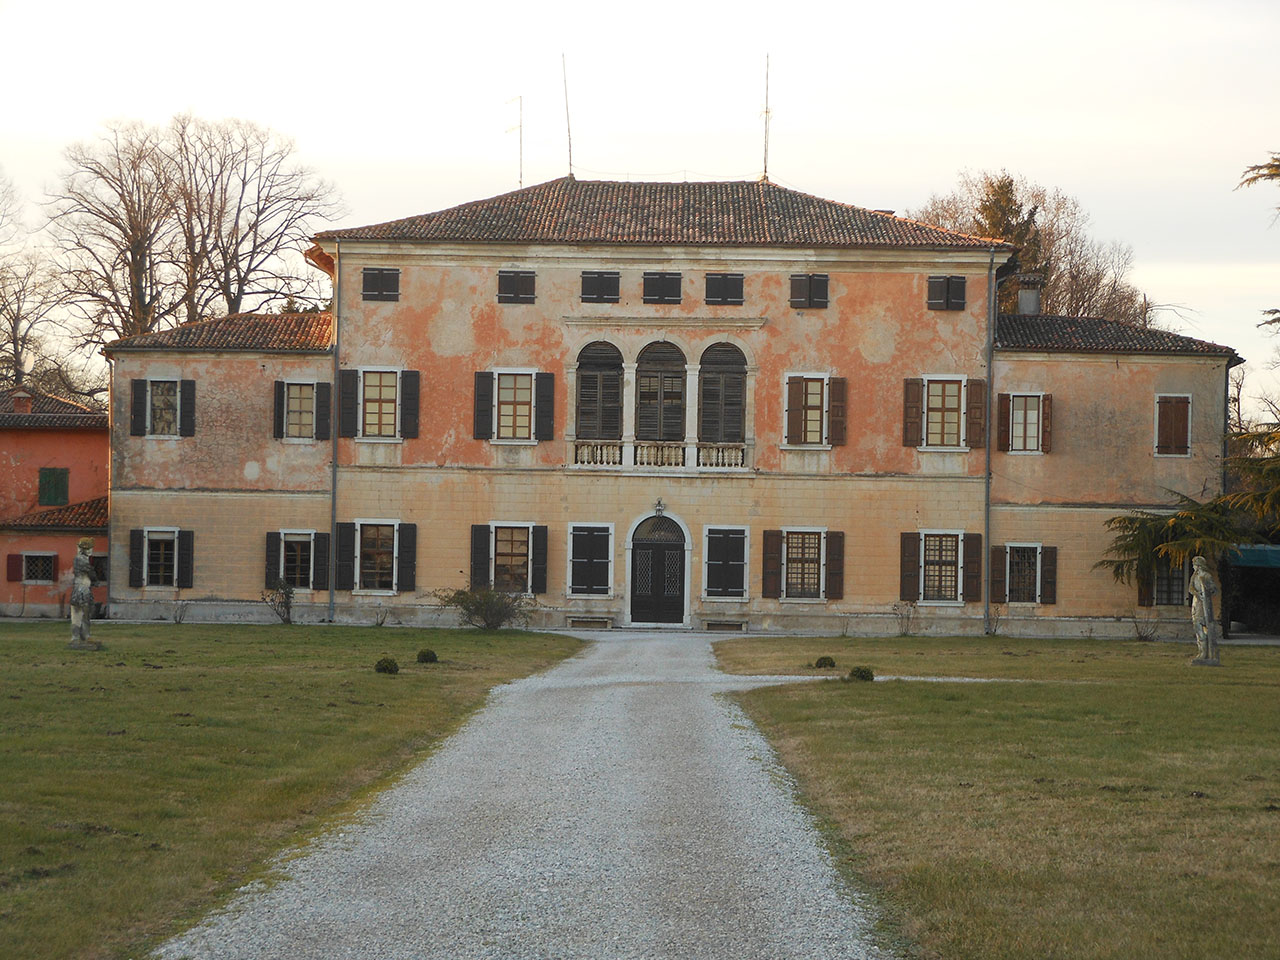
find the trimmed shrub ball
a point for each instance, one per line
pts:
(386, 665)
(427, 656)
(823, 663)
(865, 674)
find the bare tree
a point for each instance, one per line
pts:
(29, 295)
(10, 210)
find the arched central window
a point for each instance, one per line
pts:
(722, 388)
(599, 392)
(660, 377)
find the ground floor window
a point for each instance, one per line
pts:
(162, 557)
(726, 562)
(802, 564)
(39, 567)
(1024, 574)
(1170, 583)
(377, 556)
(511, 559)
(296, 560)
(590, 560)
(940, 566)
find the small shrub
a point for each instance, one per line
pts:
(1146, 629)
(427, 656)
(906, 614)
(862, 674)
(485, 608)
(280, 600)
(386, 665)
(824, 663)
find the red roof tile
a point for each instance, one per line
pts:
(738, 213)
(88, 515)
(48, 413)
(265, 333)
(1096, 335)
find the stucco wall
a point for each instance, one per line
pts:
(24, 452)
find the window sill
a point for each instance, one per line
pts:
(1024, 453)
(379, 439)
(742, 599)
(804, 599)
(373, 593)
(940, 603)
(804, 446)
(585, 596)
(163, 436)
(1173, 456)
(298, 439)
(37, 583)
(925, 449)
(512, 442)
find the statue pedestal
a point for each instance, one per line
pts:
(85, 645)
(1205, 662)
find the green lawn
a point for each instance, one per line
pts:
(1119, 804)
(141, 783)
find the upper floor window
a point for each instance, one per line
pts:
(53, 486)
(599, 406)
(301, 410)
(942, 413)
(378, 403)
(946, 293)
(660, 384)
(600, 286)
(373, 404)
(661, 287)
(515, 406)
(809, 290)
(724, 288)
(946, 413)
(1025, 422)
(381, 283)
(515, 286)
(163, 408)
(1173, 425)
(815, 414)
(722, 389)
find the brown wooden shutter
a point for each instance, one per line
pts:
(1164, 428)
(344, 567)
(799, 290)
(538, 561)
(909, 567)
(1181, 425)
(544, 401)
(818, 290)
(136, 548)
(186, 558)
(835, 565)
(53, 563)
(999, 584)
(972, 567)
(410, 381)
(976, 413)
(484, 406)
(1048, 574)
(324, 405)
(912, 412)
(937, 296)
(1046, 423)
(273, 559)
(407, 559)
(771, 565)
(138, 408)
(348, 404)
(479, 556)
(795, 410)
(187, 408)
(955, 293)
(1004, 418)
(277, 412)
(13, 567)
(320, 562)
(837, 405)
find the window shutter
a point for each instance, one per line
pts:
(1004, 420)
(976, 414)
(836, 406)
(186, 558)
(835, 565)
(53, 568)
(409, 388)
(1048, 574)
(1046, 423)
(649, 406)
(999, 584)
(799, 290)
(795, 410)
(818, 290)
(348, 404)
(1181, 414)
(955, 293)
(771, 565)
(13, 567)
(479, 556)
(544, 401)
(711, 405)
(538, 565)
(1146, 592)
(187, 409)
(715, 288)
(320, 562)
(717, 556)
(524, 286)
(972, 567)
(135, 558)
(588, 412)
(610, 405)
(138, 408)
(912, 412)
(484, 407)
(937, 293)
(344, 568)
(44, 489)
(277, 412)
(733, 424)
(324, 400)
(407, 560)
(909, 567)
(273, 559)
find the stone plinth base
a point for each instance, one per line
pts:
(85, 645)
(1201, 662)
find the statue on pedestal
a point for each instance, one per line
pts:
(1203, 589)
(82, 597)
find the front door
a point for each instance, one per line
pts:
(657, 572)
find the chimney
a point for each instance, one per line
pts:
(21, 401)
(1029, 285)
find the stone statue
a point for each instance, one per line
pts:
(82, 597)
(1203, 589)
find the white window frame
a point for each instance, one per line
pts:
(822, 565)
(37, 553)
(959, 601)
(568, 563)
(493, 553)
(826, 411)
(311, 565)
(395, 556)
(746, 561)
(1039, 448)
(532, 373)
(1155, 426)
(312, 384)
(360, 434)
(1008, 569)
(177, 407)
(160, 533)
(964, 413)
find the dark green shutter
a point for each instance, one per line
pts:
(544, 394)
(136, 547)
(324, 404)
(186, 558)
(799, 290)
(344, 570)
(909, 567)
(1048, 574)
(538, 573)
(937, 293)
(407, 559)
(187, 409)
(409, 388)
(771, 565)
(999, 583)
(320, 562)
(955, 293)
(483, 405)
(273, 559)
(348, 403)
(818, 290)
(277, 410)
(138, 408)
(479, 556)
(972, 567)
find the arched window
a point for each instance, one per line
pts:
(722, 388)
(599, 392)
(660, 376)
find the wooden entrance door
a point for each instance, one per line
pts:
(657, 572)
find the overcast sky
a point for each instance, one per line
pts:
(1147, 112)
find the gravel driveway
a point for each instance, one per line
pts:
(613, 807)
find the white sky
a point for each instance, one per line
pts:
(1147, 112)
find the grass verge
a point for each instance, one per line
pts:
(141, 783)
(1120, 804)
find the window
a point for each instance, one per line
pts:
(1170, 583)
(515, 406)
(725, 556)
(295, 560)
(942, 413)
(301, 410)
(1173, 426)
(162, 558)
(724, 288)
(381, 283)
(39, 567)
(809, 291)
(100, 567)
(298, 557)
(946, 293)
(372, 404)
(591, 560)
(515, 286)
(377, 556)
(163, 408)
(599, 286)
(599, 408)
(662, 288)
(722, 393)
(509, 556)
(942, 566)
(660, 383)
(1024, 422)
(948, 413)
(815, 414)
(378, 403)
(1024, 573)
(803, 564)
(511, 559)
(53, 486)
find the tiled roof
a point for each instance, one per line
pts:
(1095, 335)
(266, 333)
(89, 515)
(48, 413)
(738, 213)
